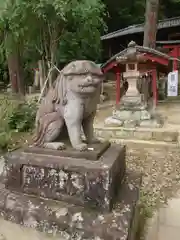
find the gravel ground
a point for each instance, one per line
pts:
(160, 168)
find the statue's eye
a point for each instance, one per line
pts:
(70, 78)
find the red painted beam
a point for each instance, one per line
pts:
(154, 85)
(175, 52)
(118, 82)
(109, 66)
(159, 60)
(171, 46)
(172, 53)
(175, 62)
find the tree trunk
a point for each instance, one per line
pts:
(53, 50)
(42, 75)
(12, 72)
(150, 27)
(15, 72)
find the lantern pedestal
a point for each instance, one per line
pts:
(132, 99)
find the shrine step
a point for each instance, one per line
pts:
(140, 134)
(51, 174)
(69, 221)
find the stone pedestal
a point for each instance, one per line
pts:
(95, 197)
(69, 221)
(51, 174)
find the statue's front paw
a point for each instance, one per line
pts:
(81, 147)
(55, 145)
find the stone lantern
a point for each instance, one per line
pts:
(131, 75)
(131, 60)
(132, 110)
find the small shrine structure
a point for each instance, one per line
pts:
(149, 61)
(132, 65)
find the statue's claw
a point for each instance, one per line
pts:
(81, 147)
(55, 145)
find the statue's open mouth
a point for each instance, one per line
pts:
(89, 85)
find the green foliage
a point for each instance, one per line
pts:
(7, 106)
(125, 13)
(5, 140)
(17, 115)
(58, 31)
(22, 118)
(81, 39)
(62, 30)
(170, 8)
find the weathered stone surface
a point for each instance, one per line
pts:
(77, 84)
(152, 123)
(107, 134)
(143, 135)
(145, 115)
(74, 180)
(94, 152)
(166, 136)
(2, 164)
(75, 222)
(122, 115)
(139, 133)
(136, 115)
(124, 133)
(130, 123)
(111, 121)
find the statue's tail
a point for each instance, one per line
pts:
(39, 134)
(42, 127)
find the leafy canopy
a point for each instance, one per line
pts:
(74, 25)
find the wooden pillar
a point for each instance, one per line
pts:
(154, 86)
(175, 62)
(118, 82)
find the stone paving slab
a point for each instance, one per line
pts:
(146, 134)
(165, 224)
(170, 216)
(168, 233)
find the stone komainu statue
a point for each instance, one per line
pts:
(72, 101)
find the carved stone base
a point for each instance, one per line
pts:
(133, 121)
(132, 102)
(73, 179)
(134, 115)
(74, 222)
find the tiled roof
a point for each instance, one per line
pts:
(168, 42)
(166, 23)
(138, 49)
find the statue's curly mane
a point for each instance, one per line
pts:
(60, 89)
